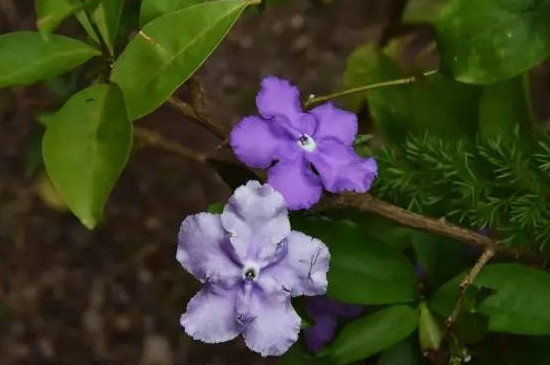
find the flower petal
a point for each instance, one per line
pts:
(204, 249)
(278, 97)
(335, 123)
(274, 326)
(210, 315)
(341, 169)
(256, 218)
(254, 142)
(300, 187)
(303, 269)
(321, 333)
(279, 100)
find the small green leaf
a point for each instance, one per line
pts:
(168, 50)
(26, 57)
(484, 41)
(371, 334)
(152, 9)
(362, 269)
(86, 147)
(50, 13)
(107, 18)
(428, 330)
(517, 302)
(216, 208)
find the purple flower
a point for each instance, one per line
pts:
(251, 264)
(304, 151)
(325, 313)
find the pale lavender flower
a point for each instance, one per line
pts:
(251, 264)
(304, 150)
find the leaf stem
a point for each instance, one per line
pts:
(405, 81)
(155, 139)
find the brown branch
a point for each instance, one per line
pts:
(190, 112)
(155, 139)
(368, 203)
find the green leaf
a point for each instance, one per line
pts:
(50, 13)
(216, 208)
(107, 18)
(371, 334)
(152, 9)
(26, 57)
(362, 269)
(86, 147)
(518, 302)
(169, 50)
(428, 330)
(400, 110)
(485, 41)
(504, 112)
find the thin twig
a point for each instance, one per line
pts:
(156, 139)
(368, 203)
(463, 287)
(406, 81)
(190, 112)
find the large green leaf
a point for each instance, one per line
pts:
(518, 302)
(26, 57)
(152, 9)
(50, 13)
(170, 49)
(362, 269)
(371, 334)
(422, 11)
(404, 353)
(399, 110)
(504, 112)
(86, 147)
(484, 41)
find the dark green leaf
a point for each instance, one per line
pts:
(399, 110)
(517, 301)
(404, 353)
(168, 50)
(216, 208)
(26, 57)
(152, 9)
(484, 41)
(504, 113)
(362, 269)
(86, 147)
(371, 334)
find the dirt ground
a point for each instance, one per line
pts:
(114, 295)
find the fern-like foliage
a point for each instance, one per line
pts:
(490, 185)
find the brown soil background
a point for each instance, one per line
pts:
(114, 295)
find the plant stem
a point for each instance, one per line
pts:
(463, 287)
(155, 139)
(190, 112)
(339, 94)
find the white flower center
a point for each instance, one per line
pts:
(306, 143)
(250, 272)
